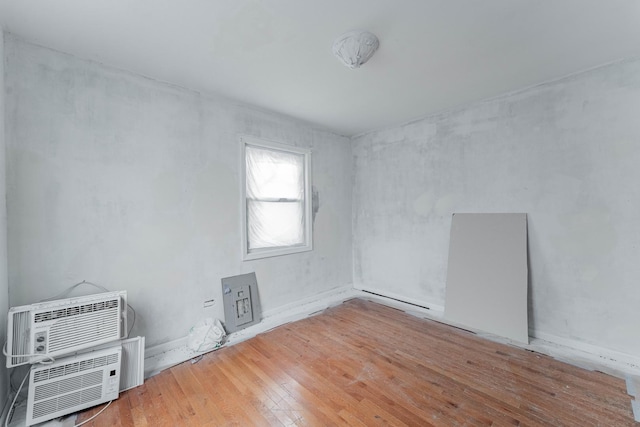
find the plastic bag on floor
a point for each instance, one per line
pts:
(206, 335)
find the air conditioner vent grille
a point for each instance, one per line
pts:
(91, 394)
(45, 316)
(56, 404)
(20, 342)
(40, 376)
(76, 331)
(58, 371)
(66, 385)
(41, 409)
(71, 368)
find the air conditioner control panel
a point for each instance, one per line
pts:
(40, 344)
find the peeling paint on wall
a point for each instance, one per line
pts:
(566, 153)
(134, 184)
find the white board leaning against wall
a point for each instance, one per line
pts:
(487, 275)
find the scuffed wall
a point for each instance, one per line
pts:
(134, 184)
(567, 153)
(4, 284)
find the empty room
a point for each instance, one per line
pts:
(357, 212)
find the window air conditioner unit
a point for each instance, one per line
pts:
(132, 366)
(72, 384)
(38, 331)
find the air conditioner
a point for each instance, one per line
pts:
(132, 366)
(53, 328)
(72, 384)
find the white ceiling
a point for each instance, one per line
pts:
(434, 54)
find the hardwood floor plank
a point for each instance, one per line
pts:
(395, 370)
(253, 391)
(223, 392)
(125, 416)
(447, 366)
(347, 373)
(139, 418)
(176, 402)
(272, 395)
(151, 398)
(318, 391)
(373, 414)
(294, 394)
(389, 361)
(361, 363)
(196, 394)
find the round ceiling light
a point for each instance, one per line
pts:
(354, 48)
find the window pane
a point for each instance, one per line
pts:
(274, 175)
(274, 224)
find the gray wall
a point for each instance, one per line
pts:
(567, 153)
(4, 287)
(134, 184)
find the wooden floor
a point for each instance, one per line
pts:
(361, 363)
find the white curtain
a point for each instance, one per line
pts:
(275, 198)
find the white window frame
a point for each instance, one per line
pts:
(282, 250)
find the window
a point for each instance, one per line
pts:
(276, 199)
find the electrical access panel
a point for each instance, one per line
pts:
(241, 301)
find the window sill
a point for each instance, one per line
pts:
(267, 253)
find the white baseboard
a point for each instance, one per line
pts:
(574, 352)
(635, 405)
(310, 300)
(586, 355)
(169, 354)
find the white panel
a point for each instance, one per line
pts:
(633, 386)
(132, 369)
(487, 274)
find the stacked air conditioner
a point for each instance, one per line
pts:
(78, 341)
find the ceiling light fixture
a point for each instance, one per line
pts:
(354, 48)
